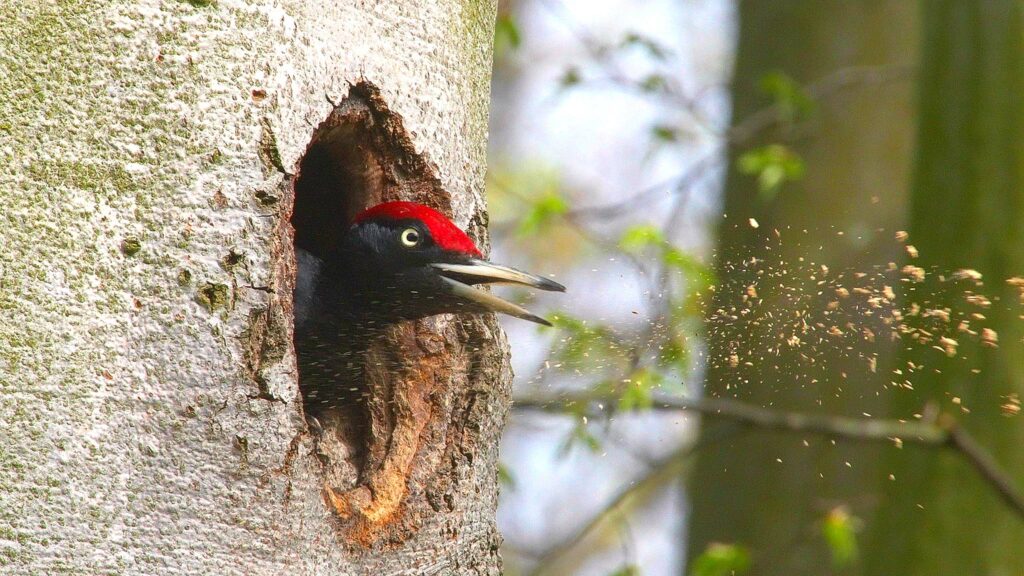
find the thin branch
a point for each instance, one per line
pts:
(828, 85)
(986, 466)
(744, 131)
(828, 425)
(584, 232)
(679, 184)
(661, 471)
(943, 433)
(603, 55)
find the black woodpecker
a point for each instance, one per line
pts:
(398, 261)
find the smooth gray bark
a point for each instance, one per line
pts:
(138, 210)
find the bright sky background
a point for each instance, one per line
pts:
(597, 138)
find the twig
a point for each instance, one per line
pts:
(662, 470)
(944, 433)
(986, 466)
(828, 425)
(585, 232)
(746, 129)
(678, 185)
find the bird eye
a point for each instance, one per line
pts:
(411, 237)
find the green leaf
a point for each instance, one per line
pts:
(789, 96)
(840, 531)
(636, 238)
(674, 352)
(585, 347)
(721, 560)
(505, 476)
(513, 188)
(687, 264)
(653, 83)
(773, 165)
(580, 435)
(637, 395)
(542, 211)
(665, 133)
(570, 78)
(656, 50)
(506, 36)
(635, 398)
(627, 570)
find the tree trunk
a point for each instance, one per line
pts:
(967, 211)
(769, 491)
(151, 156)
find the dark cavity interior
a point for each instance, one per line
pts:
(340, 175)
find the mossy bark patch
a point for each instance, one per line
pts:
(130, 246)
(213, 296)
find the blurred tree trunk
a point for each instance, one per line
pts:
(770, 491)
(967, 211)
(149, 412)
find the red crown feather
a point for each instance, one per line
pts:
(446, 234)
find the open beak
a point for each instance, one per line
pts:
(461, 278)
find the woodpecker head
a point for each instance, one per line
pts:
(402, 260)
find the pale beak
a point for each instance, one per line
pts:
(460, 278)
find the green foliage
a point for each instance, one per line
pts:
(505, 476)
(570, 78)
(684, 309)
(840, 532)
(653, 83)
(584, 346)
(528, 204)
(627, 570)
(789, 97)
(637, 393)
(773, 165)
(674, 352)
(643, 237)
(640, 237)
(507, 36)
(541, 212)
(580, 435)
(653, 48)
(698, 273)
(664, 133)
(721, 560)
(529, 193)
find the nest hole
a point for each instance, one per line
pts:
(367, 399)
(341, 173)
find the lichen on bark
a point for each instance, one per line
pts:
(137, 441)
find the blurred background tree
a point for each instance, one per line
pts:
(843, 73)
(724, 188)
(967, 211)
